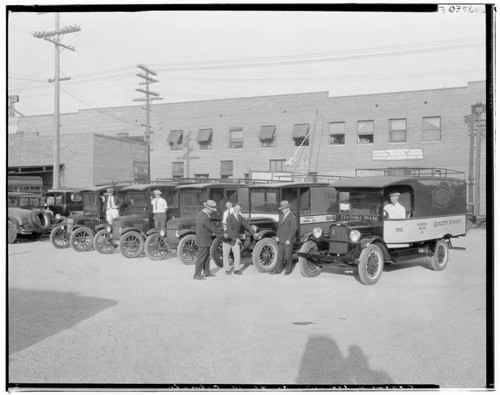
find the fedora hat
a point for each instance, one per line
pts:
(211, 205)
(157, 192)
(110, 190)
(284, 204)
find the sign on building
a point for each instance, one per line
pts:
(398, 154)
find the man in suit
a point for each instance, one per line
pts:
(287, 229)
(110, 206)
(204, 230)
(234, 222)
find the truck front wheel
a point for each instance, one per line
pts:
(371, 264)
(439, 259)
(307, 268)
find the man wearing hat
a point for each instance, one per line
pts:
(111, 205)
(204, 230)
(287, 228)
(394, 209)
(159, 210)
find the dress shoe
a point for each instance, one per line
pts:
(199, 277)
(274, 273)
(238, 272)
(228, 273)
(287, 273)
(210, 275)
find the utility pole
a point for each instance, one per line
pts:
(156, 96)
(476, 136)
(55, 38)
(187, 155)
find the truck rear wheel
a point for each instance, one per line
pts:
(439, 259)
(308, 268)
(371, 264)
(187, 250)
(265, 255)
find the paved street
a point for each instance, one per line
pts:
(87, 318)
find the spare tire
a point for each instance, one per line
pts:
(40, 220)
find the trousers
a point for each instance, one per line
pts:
(202, 261)
(160, 220)
(111, 214)
(284, 253)
(226, 248)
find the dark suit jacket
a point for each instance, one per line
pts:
(287, 228)
(204, 229)
(234, 225)
(118, 203)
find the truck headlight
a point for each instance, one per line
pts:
(254, 228)
(162, 233)
(58, 216)
(108, 228)
(354, 236)
(177, 233)
(317, 233)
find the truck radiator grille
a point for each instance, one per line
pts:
(339, 240)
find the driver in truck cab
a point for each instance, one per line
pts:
(394, 209)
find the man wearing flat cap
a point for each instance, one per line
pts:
(110, 206)
(159, 210)
(394, 209)
(287, 228)
(204, 230)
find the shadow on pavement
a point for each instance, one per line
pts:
(35, 315)
(323, 363)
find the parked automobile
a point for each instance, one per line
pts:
(362, 235)
(78, 229)
(129, 230)
(312, 203)
(64, 201)
(26, 215)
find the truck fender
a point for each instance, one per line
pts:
(132, 228)
(154, 231)
(183, 233)
(264, 233)
(101, 226)
(380, 242)
(15, 221)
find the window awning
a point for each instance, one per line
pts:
(174, 137)
(267, 132)
(300, 131)
(204, 135)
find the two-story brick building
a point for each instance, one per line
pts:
(309, 132)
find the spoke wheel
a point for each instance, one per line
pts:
(103, 242)
(12, 234)
(265, 255)
(441, 254)
(131, 244)
(187, 250)
(82, 239)
(308, 268)
(156, 247)
(371, 264)
(59, 237)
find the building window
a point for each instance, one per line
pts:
(266, 136)
(277, 164)
(226, 168)
(431, 129)
(175, 140)
(337, 133)
(299, 134)
(204, 139)
(236, 138)
(177, 169)
(397, 130)
(365, 132)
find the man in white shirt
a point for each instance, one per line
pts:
(159, 210)
(111, 205)
(394, 209)
(229, 210)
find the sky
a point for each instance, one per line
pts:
(206, 55)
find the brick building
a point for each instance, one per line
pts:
(86, 159)
(234, 137)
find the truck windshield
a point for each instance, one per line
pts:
(359, 202)
(264, 201)
(89, 201)
(191, 201)
(30, 202)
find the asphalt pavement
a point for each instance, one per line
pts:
(87, 318)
